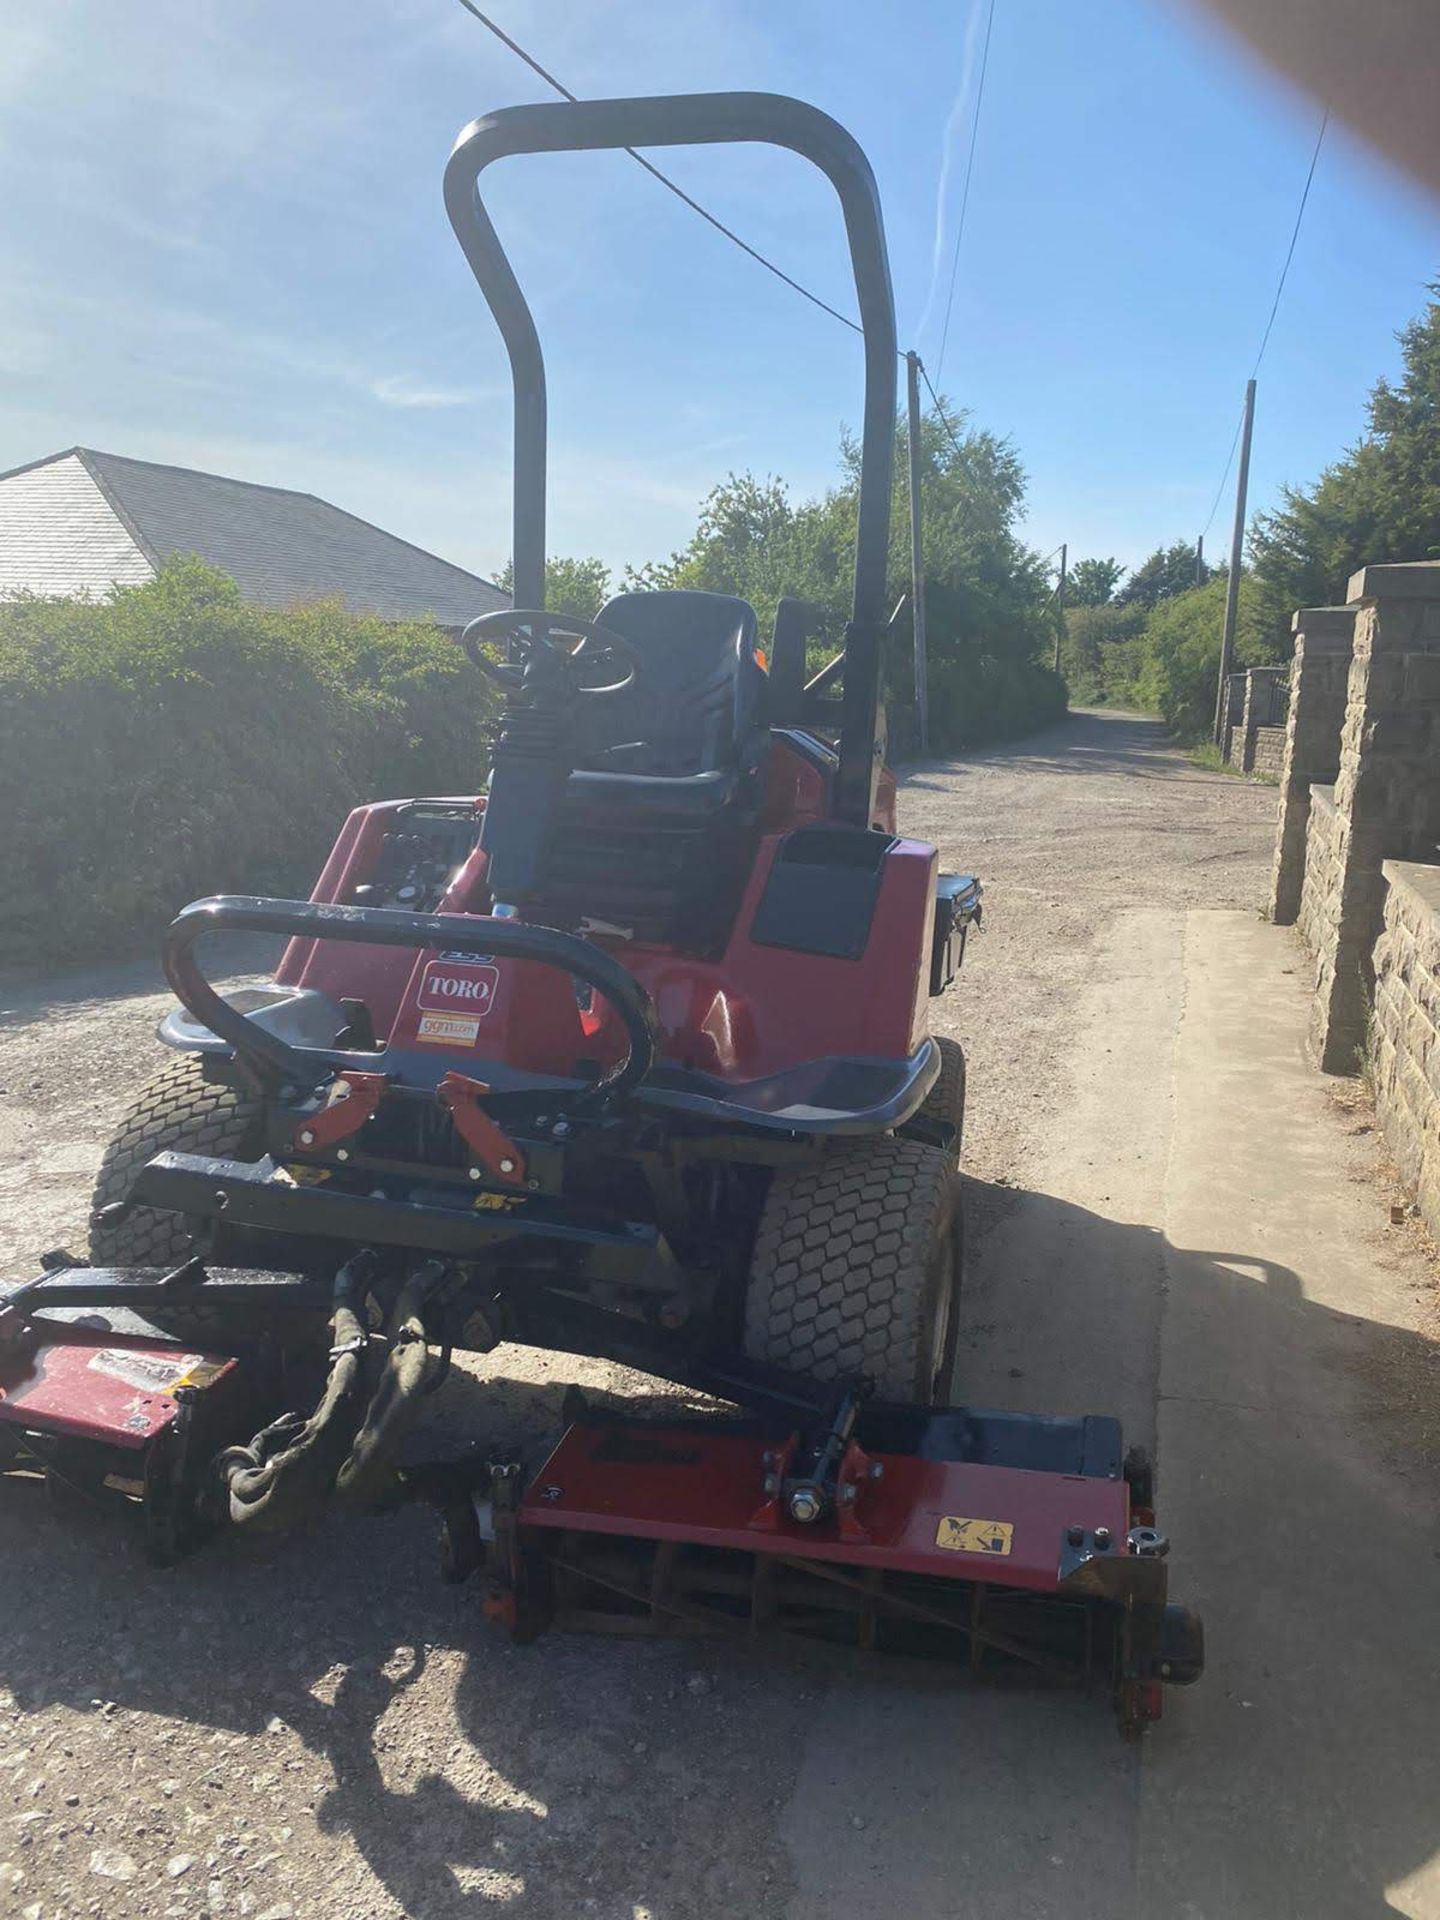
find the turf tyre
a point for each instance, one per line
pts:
(182, 1112)
(946, 1099)
(857, 1266)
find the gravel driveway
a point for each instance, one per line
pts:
(317, 1726)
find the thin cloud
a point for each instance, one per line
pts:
(400, 390)
(949, 148)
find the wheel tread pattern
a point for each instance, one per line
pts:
(179, 1111)
(946, 1099)
(841, 1263)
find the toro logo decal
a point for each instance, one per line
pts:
(447, 987)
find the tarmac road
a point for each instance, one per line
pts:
(1168, 1222)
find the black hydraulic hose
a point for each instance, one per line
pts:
(286, 1473)
(279, 1064)
(369, 1476)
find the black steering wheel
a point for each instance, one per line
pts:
(538, 659)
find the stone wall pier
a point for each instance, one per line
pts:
(1319, 673)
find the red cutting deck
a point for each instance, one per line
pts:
(956, 1520)
(121, 1393)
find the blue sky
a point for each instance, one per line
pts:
(225, 247)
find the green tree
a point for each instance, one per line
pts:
(573, 586)
(752, 540)
(990, 624)
(1380, 502)
(1163, 574)
(1098, 652)
(1092, 583)
(1181, 653)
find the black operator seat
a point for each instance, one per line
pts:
(656, 823)
(694, 721)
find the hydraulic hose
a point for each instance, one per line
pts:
(370, 1475)
(285, 1475)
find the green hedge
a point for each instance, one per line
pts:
(172, 741)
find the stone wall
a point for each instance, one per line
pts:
(1267, 751)
(1405, 1032)
(1319, 673)
(1387, 795)
(1319, 902)
(1262, 705)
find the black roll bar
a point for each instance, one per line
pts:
(702, 119)
(277, 1063)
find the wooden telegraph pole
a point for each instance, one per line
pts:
(1237, 553)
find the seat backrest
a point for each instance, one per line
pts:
(698, 695)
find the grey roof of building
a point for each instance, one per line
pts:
(81, 521)
(60, 535)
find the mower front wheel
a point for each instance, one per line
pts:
(180, 1111)
(857, 1268)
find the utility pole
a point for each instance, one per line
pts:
(1200, 561)
(917, 558)
(1237, 551)
(1060, 603)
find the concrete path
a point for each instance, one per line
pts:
(1305, 1779)
(1201, 1257)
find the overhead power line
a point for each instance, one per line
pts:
(1294, 236)
(965, 192)
(940, 413)
(1274, 309)
(664, 178)
(1229, 462)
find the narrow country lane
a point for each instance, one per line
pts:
(1168, 1223)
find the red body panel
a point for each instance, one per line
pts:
(114, 1390)
(707, 1489)
(797, 792)
(377, 975)
(752, 1011)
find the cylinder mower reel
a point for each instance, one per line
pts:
(627, 1056)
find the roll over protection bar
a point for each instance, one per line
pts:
(687, 120)
(275, 1062)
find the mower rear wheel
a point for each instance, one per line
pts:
(856, 1269)
(182, 1112)
(946, 1099)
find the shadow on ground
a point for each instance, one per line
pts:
(590, 1775)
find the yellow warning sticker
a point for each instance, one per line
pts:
(974, 1536)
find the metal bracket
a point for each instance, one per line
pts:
(493, 1148)
(349, 1102)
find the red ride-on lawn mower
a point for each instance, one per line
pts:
(627, 1057)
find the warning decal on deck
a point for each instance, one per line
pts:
(974, 1536)
(150, 1372)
